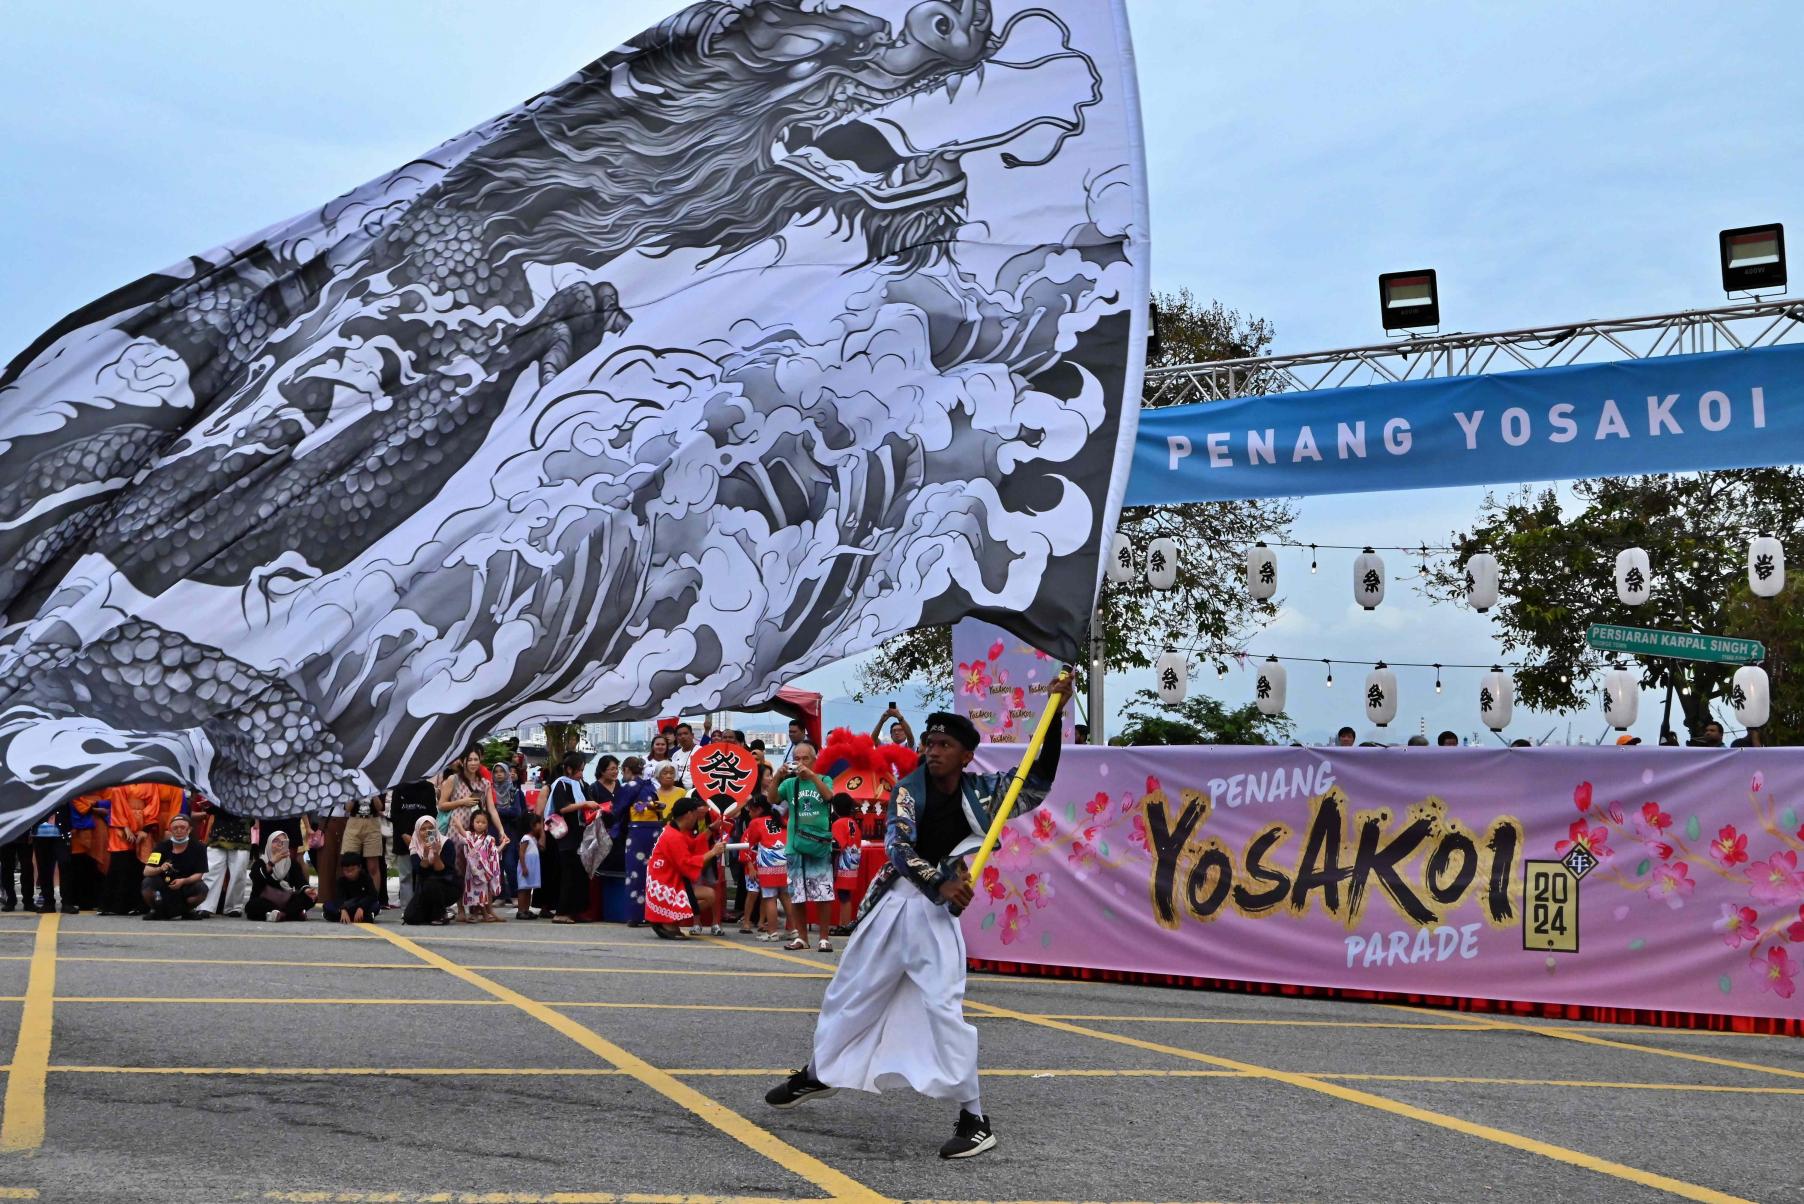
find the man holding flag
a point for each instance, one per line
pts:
(894, 1013)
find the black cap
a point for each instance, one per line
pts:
(956, 726)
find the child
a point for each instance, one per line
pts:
(756, 809)
(671, 876)
(359, 901)
(848, 854)
(766, 836)
(529, 867)
(482, 871)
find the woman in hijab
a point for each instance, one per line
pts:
(279, 889)
(437, 879)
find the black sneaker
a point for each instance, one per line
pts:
(971, 1138)
(797, 1087)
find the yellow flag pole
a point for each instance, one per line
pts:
(1028, 757)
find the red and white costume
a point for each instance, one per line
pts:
(676, 861)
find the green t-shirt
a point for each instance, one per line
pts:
(809, 811)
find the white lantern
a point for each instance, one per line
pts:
(1481, 581)
(1162, 563)
(1173, 675)
(1121, 559)
(1268, 689)
(1381, 695)
(1634, 576)
(1622, 698)
(1368, 579)
(1751, 695)
(1496, 697)
(1766, 566)
(1262, 572)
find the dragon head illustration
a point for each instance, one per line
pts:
(731, 122)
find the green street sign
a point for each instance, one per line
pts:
(1679, 645)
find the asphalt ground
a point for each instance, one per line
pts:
(230, 1061)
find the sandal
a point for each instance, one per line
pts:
(824, 947)
(563, 920)
(798, 943)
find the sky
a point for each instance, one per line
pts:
(1552, 162)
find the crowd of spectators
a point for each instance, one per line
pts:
(490, 834)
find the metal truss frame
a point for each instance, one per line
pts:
(1727, 328)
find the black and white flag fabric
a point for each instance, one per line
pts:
(782, 329)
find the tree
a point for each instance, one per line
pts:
(1199, 719)
(561, 738)
(1198, 612)
(1558, 576)
(1777, 622)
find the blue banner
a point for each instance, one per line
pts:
(1723, 409)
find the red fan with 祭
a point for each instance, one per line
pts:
(724, 774)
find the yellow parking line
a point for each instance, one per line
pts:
(1233, 1020)
(278, 1072)
(282, 1002)
(645, 970)
(22, 1126)
(756, 1138)
(1608, 1043)
(232, 961)
(1590, 1162)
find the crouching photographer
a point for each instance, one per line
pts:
(175, 875)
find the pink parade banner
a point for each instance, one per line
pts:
(1002, 682)
(1655, 878)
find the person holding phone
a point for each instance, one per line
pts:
(895, 1008)
(899, 731)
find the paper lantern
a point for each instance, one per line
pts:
(1381, 695)
(1162, 563)
(1496, 698)
(1368, 579)
(1173, 675)
(1481, 581)
(1262, 572)
(1766, 566)
(1622, 698)
(1751, 695)
(1268, 688)
(1121, 559)
(1634, 576)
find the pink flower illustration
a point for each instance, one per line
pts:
(1672, 884)
(974, 678)
(1037, 890)
(1020, 697)
(996, 650)
(1581, 796)
(1083, 852)
(992, 883)
(1759, 782)
(1137, 834)
(1152, 784)
(1596, 839)
(1614, 810)
(1012, 922)
(1730, 848)
(1044, 826)
(1097, 805)
(1647, 831)
(1774, 972)
(1739, 926)
(1655, 818)
(1776, 880)
(1796, 931)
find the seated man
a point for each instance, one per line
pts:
(175, 875)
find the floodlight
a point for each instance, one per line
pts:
(1409, 300)
(1753, 258)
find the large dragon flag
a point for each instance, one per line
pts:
(782, 329)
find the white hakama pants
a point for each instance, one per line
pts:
(893, 1016)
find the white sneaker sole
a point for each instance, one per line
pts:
(802, 1099)
(988, 1143)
